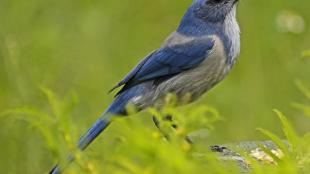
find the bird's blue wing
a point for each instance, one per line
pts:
(169, 60)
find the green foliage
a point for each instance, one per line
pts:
(296, 150)
(132, 147)
(306, 91)
(58, 119)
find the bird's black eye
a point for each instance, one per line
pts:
(213, 2)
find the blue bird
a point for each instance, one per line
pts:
(194, 58)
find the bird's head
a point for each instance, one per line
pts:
(214, 10)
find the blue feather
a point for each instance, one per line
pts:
(167, 61)
(118, 107)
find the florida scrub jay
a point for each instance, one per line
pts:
(193, 59)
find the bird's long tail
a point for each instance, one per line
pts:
(100, 125)
(118, 107)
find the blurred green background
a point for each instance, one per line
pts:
(87, 46)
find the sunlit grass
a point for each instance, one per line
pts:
(134, 148)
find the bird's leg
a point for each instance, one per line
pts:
(157, 124)
(175, 127)
(169, 118)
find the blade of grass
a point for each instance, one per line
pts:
(276, 140)
(288, 130)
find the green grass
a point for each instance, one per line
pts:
(80, 49)
(131, 147)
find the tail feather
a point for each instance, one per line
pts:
(55, 170)
(100, 125)
(118, 107)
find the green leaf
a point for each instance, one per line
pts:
(29, 114)
(37, 120)
(53, 101)
(282, 146)
(302, 88)
(304, 108)
(288, 130)
(269, 152)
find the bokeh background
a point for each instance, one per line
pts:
(87, 46)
